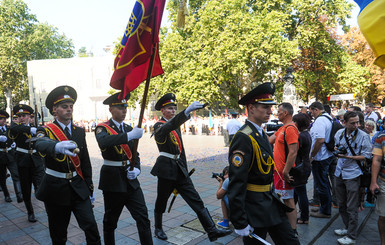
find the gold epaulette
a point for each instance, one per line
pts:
(246, 130)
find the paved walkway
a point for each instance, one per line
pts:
(206, 154)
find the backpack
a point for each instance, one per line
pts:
(335, 127)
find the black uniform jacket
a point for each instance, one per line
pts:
(58, 190)
(5, 145)
(113, 178)
(259, 209)
(165, 167)
(20, 133)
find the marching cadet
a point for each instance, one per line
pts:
(67, 184)
(120, 186)
(7, 159)
(171, 167)
(253, 204)
(30, 163)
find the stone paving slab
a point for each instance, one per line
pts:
(206, 154)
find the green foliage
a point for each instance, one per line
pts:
(22, 38)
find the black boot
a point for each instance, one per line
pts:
(19, 196)
(159, 233)
(7, 198)
(31, 214)
(145, 237)
(109, 237)
(209, 226)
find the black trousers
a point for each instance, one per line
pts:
(185, 188)
(9, 160)
(134, 201)
(282, 234)
(30, 174)
(59, 217)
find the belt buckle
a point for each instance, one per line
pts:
(69, 175)
(124, 163)
(30, 151)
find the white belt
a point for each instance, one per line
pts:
(5, 149)
(25, 151)
(165, 154)
(61, 175)
(116, 163)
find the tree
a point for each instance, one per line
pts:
(22, 38)
(82, 52)
(357, 47)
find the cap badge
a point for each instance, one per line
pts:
(66, 89)
(124, 101)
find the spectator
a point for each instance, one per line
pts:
(378, 182)
(285, 142)
(353, 146)
(321, 158)
(340, 116)
(370, 127)
(233, 125)
(369, 113)
(304, 142)
(222, 194)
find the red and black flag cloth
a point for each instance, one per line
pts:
(133, 58)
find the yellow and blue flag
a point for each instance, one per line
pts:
(371, 20)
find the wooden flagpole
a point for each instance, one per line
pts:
(144, 100)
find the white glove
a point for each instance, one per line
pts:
(133, 174)
(3, 138)
(64, 147)
(135, 133)
(245, 231)
(13, 145)
(194, 106)
(33, 130)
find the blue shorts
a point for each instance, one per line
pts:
(226, 200)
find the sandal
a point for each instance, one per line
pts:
(302, 222)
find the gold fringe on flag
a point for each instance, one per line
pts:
(182, 12)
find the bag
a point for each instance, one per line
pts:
(298, 172)
(366, 176)
(335, 127)
(299, 175)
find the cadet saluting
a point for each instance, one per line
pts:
(253, 204)
(171, 167)
(67, 184)
(120, 187)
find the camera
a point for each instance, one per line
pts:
(220, 175)
(273, 127)
(376, 192)
(340, 150)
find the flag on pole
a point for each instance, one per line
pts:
(246, 112)
(132, 61)
(371, 20)
(155, 117)
(210, 120)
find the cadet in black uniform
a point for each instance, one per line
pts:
(67, 184)
(30, 163)
(253, 203)
(171, 167)
(7, 159)
(119, 185)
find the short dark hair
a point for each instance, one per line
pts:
(302, 121)
(287, 107)
(349, 115)
(328, 109)
(317, 105)
(225, 170)
(370, 105)
(355, 108)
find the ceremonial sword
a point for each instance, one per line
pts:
(253, 235)
(175, 191)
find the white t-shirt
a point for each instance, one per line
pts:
(321, 129)
(233, 126)
(373, 116)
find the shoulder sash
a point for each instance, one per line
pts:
(59, 135)
(176, 137)
(125, 147)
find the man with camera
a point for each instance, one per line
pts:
(223, 179)
(352, 147)
(377, 185)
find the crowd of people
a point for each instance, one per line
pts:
(259, 189)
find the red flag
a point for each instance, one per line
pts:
(245, 111)
(155, 117)
(133, 58)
